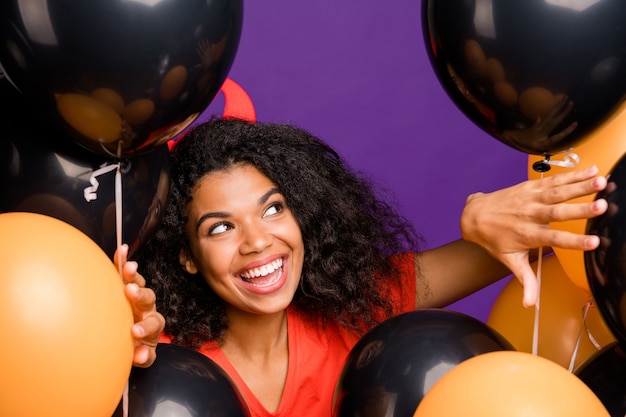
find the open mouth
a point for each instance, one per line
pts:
(265, 275)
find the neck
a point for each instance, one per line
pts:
(257, 347)
(255, 334)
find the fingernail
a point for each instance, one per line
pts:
(133, 288)
(591, 242)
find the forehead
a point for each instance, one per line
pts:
(235, 184)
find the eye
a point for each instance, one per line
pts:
(273, 209)
(219, 228)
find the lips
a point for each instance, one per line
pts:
(265, 278)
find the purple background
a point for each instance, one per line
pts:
(356, 73)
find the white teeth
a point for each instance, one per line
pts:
(263, 270)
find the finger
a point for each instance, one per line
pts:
(144, 356)
(531, 289)
(142, 299)
(146, 335)
(575, 211)
(519, 265)
(130, 274)
(149, 330)
(574, 176)
(568, 240)
(121, 255)
(526, 276)
(560, 188)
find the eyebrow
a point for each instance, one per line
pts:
(221, 214)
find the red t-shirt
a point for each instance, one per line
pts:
(317, 355)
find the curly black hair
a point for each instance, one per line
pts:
(348, 230)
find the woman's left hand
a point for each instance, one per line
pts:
(511, 221)
(149, 323)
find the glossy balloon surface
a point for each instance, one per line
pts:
(182, 382)
(603, 148)
(121, 76)
(66, 320)
(41, 171)
(511, 384)
(570, 326)
(395, 364)
(605, 374)
(605, 266)
(537, 75)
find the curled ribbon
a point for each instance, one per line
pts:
(90, 193)
(570, 160)
(586, 330)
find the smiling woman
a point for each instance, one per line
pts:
(239, 229)
(274, 257)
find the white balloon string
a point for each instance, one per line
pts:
(118, 233)
(90, 193)
(570, 160)
(125, 400)
(535, 347)
(583, 325)
(592, 339)
(118, 210)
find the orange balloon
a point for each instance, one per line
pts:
(90, 117)
(603, 148)
(560, 318)
(512, 384)
(66, 322)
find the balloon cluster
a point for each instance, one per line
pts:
(541, 77)
(599, 274)
(121, 77)
(390, 370)
(92, 94)
(442, 363)
(41, 172)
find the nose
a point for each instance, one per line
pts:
(255, 238)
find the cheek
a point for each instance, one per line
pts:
(297, 244)
(290, 233)
(218, 278)
(215, 261)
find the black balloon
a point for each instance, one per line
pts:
(182, 382)
(537, 75)
(605, 266)
(43, 172)
(605, 374)
(393, 366)
(121, 76)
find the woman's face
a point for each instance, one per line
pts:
(244, 240)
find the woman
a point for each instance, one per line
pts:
(273, 257)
